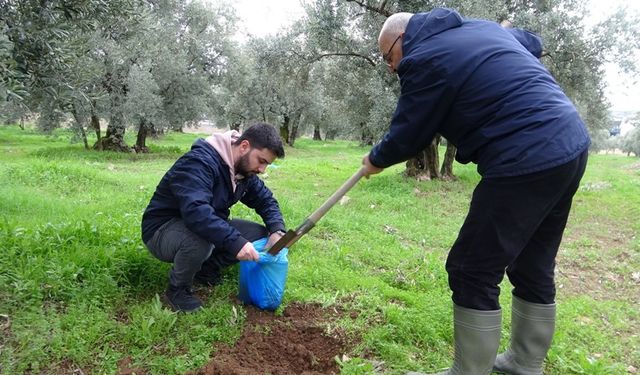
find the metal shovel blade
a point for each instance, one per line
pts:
(282, 242)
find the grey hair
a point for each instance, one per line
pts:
(396, 24)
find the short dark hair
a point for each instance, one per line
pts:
(262, 135)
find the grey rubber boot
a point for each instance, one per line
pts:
(476, 335)
(532, 327)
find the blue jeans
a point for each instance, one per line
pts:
(515, 224)
(173, 242)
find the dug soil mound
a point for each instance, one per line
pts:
(303, 340)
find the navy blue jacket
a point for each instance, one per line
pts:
(480, 86)
(198, 190)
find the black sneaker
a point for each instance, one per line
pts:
(208, 279)
(181, 299)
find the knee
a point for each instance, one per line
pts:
(196, 248)
(473, 289)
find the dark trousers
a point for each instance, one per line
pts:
(173, 242)
(514, 224)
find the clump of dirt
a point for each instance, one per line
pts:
(124, 368)
(301, 341)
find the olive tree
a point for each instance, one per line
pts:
(50, 42)
(630, 143)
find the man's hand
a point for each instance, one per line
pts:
(369, 168)
(273, 238)
(248, 252)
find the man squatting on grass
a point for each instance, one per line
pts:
(187, 220)
(482, 87)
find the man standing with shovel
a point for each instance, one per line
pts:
(482, 87)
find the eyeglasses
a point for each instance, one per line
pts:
(386, 57)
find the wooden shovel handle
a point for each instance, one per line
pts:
(326, 206)
(292, 236)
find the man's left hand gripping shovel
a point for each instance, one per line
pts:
(292, 236)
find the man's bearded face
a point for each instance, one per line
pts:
(243, 167)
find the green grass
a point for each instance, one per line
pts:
(79, 287)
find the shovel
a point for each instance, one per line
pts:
(292, 236)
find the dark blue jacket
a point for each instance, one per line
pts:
(479, 85)
(198, 190)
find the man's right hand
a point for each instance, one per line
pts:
(369, 168)
(248, 252)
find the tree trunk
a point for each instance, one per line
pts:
(316, 133)
(114, 139)
(154, 132)
(141, 138)
(331, 135)
(366, 137)
(79, 126)
(284, 129)
(447, 164)
(293, 135)
(95, 120)
(425, 165)
(235, 126)
(263, 110)
(83, 134)
(295, 124)
(116, 87)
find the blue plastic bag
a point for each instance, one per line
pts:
(262, 283)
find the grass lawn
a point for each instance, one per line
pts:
(79, 290)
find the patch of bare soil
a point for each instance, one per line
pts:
(597, 260)
(602, 283)
(301, 341)
(634, 166)
(124, 368)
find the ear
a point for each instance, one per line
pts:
(245, 146)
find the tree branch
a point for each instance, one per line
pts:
(379, 10)
(352, 54)
(383, 3)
